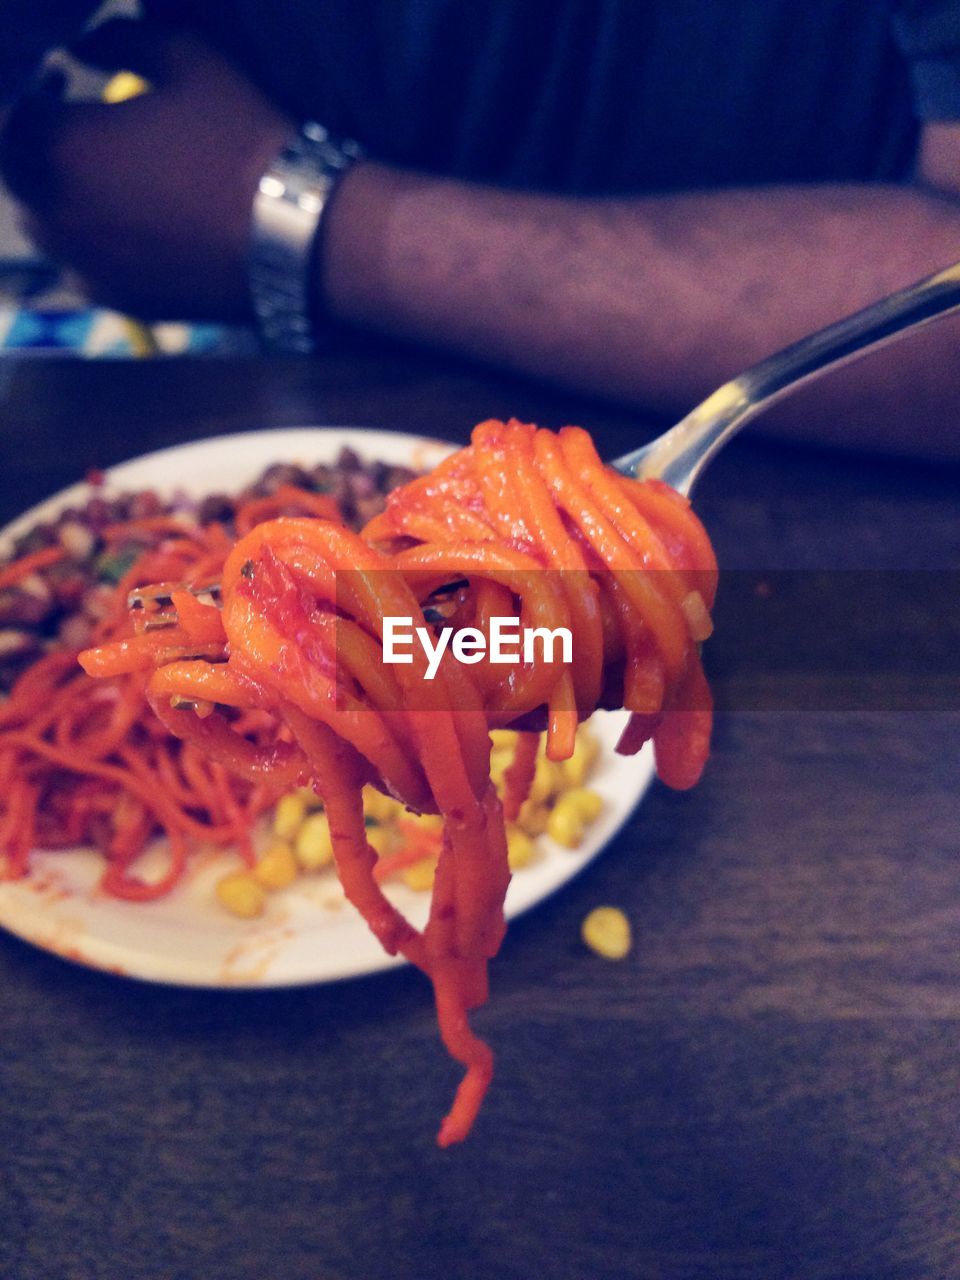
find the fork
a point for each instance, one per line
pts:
(680, 455)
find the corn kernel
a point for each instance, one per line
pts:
(578, 767)
(277, 867)
(379, 807)
(574, 770)
(586, 802)
(546, 780)
(533, 818)
(241, 894)
(606, 930)
(380, 840)
(419, 875)
(313, 846)
(520, 849)
(565, 823)
(288, 815)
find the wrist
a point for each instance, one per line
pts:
(346, 265)
(293, 196)
(373, 258)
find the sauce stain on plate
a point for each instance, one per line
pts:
(248, 963)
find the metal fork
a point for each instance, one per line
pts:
(679, 455)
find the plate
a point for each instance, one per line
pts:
(308, 933)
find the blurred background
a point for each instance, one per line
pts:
(43, 313)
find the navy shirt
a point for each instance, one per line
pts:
(592, 96)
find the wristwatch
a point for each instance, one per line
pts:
(288, 211)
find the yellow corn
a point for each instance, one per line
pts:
(558, 804)
(379, 807)
(606, 930)
(419, 875)
(546, 780)
(241, 894)
(565, 823)
(532, 818)
(313, 846)
(585, 802)
(578, 767)
(520, 849)
(289, 815)
(380, 840)
(277, 867)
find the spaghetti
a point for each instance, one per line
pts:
(521, 521)
(86, 762)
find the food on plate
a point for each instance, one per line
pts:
(522, 525)
(408, 844)
(62, 574)
(86, 762)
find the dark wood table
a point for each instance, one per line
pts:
(766, 1087)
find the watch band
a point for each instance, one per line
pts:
(288, 213)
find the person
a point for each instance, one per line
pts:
(636, 199)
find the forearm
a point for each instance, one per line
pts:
(656, 300)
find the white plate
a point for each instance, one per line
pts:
(308, 933)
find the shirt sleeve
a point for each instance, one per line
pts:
(928, 32)
(29, 29)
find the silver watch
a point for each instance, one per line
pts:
(288, 212)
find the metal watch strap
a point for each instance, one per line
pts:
(288, 211)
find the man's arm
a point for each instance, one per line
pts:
(657, 300)
(653, 300)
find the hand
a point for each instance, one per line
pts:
(148, 201)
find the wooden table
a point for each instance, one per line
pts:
(766, 1087)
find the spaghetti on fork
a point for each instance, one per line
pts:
(527, 523)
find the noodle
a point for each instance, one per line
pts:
(303, 608)
(86, 761)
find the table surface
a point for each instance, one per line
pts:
(765, 1087)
